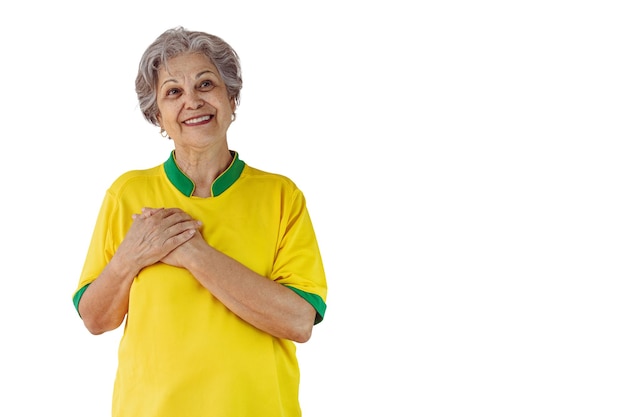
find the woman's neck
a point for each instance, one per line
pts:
(203, 167)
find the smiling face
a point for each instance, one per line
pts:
(194, 107)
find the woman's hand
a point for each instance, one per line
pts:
(176, 257)
(155, 233)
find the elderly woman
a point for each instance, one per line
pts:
(213, 264)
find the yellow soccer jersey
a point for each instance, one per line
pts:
(183, 353)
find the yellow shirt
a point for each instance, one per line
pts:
(183, 353)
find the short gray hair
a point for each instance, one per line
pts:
(174, 42)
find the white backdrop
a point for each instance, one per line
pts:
(463, 164)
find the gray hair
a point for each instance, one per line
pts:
(174, 42)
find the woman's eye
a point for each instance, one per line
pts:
(206, 84)
(172, 91)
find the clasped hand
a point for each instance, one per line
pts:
(160, 235)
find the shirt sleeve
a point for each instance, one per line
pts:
(298, 263)
(100, 250)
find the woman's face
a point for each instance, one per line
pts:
(194, 108)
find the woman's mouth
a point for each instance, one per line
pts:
(198, 120)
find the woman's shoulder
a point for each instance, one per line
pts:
(262, 176)
(134, 176)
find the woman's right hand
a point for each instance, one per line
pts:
(156, 232)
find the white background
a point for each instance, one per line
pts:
(463, 164)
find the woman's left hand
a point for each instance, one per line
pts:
(180, 256)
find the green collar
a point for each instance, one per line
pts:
(186, 186)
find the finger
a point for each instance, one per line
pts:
(173, 216)
(178, 239)
(149, 211)
(181, 227)
(145, 213)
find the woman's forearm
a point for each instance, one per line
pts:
(104, 303)
(265, 304)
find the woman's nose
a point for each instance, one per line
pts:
(194, 101)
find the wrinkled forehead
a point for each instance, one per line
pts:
(186, 65)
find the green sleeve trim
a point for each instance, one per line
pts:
(315, 300)
(78, 296)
